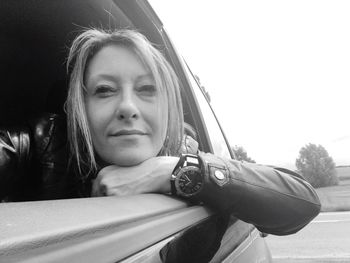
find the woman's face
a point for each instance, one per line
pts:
(126, 115)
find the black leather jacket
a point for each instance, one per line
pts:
(34, 161)
(34, 165)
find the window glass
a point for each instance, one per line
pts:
(217, 139)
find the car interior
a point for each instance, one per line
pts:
(35, 39)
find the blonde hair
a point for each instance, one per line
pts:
(83, 48)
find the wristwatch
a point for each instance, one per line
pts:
(187, 179)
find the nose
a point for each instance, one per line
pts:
(127, 108)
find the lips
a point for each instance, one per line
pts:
(128, 132)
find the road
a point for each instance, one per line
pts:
(325, 239)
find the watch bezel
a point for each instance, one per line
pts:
(179, 175)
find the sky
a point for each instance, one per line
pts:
(278, 72)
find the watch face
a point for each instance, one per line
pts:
(189, 181)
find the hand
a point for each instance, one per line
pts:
(189, 145)
(151, 176)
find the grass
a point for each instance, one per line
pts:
(335, 198)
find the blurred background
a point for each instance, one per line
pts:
(277, 72)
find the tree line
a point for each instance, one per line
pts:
(313, 163)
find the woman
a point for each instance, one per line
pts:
(125, 122)
(126, 136)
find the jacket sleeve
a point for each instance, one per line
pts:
(276, 201)
(14, 159)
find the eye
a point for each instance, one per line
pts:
(104, 91)
(147, 90)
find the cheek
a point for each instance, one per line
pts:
(96, 116)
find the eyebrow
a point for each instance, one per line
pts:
(117, 78)
(148, 75)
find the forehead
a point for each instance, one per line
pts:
(117, 56)
(116, 61)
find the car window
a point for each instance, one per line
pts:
(218, 141)
(282, 67)
(241, 240)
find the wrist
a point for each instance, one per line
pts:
(187, 178)
(162, 174)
